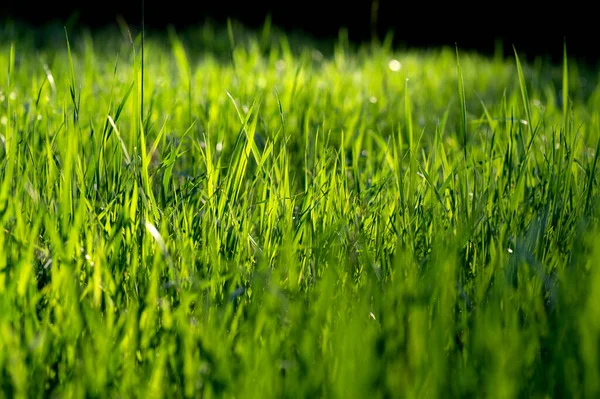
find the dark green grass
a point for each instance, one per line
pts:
(278, 219)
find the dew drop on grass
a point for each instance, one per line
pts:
(394, 65)
(219, 147)
(317, 55)
(280, 65)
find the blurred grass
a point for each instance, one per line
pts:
(290, 218)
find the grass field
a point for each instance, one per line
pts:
(258, 215)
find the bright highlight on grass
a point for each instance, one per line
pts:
(286, 219)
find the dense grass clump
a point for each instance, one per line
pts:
(278, 220)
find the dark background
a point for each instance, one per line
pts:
(534, 29)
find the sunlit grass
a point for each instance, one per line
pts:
(281, 218)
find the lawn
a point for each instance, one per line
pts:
(228, 213)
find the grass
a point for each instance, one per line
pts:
(282, 218)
